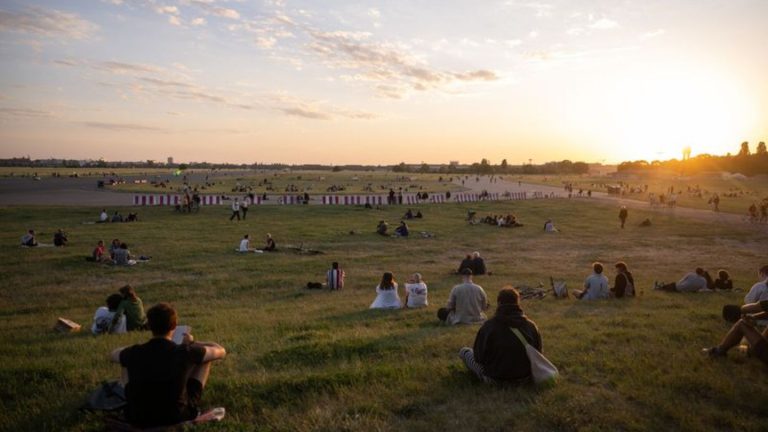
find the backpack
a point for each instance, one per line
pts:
(629, 290)
(110, 396)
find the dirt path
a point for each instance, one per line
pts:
(501, 186)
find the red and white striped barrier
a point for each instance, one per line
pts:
(437, 199)
(290, 199)
(172, 200)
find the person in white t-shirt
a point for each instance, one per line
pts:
(235, 209)
(245, 244)
(595, 286)
(415, 292)
(105, 314)
(386, 294)
(103, 217)
(759, 291)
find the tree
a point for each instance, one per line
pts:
(504, 165)
(424, 168)
(400, 167)
(744, 151)
(761, 148)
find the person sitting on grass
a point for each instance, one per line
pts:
(99, 253)
(745, 328)
(466, 263)
(29, 239)
(113, 247)
(723, 281)
(164, 381)
(117, 217)
(415, 292)
(624, 284)
(133, 308)
(402, 230)
(335, 277)
(381, 228)
(60, 238)
(103, 216)
(478, 264)
(245, 244)
(549, 226)
(692, 282)
(595, 286)
(498, 356)
(123, 256)
(102, 320)
(759, 291)
(408, 214)
(270, 245)
(466, 302)
(386, 293)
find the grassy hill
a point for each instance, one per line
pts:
(303, 360)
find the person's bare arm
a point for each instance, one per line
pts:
(114, 356)
(213, 351)
(752, 308)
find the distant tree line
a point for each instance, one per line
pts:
(744, 162)
(485, 167)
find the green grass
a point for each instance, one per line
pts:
(303, 360)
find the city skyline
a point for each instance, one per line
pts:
(371, 83)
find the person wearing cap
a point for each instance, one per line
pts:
(498, 356)
(467, 302)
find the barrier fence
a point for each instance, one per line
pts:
(375, 200)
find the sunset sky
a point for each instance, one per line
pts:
(340, 82)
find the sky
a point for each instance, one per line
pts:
(339, 82)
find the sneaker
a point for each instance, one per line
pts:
(713, 352)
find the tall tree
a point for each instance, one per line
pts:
(744, 151)
(761, 148)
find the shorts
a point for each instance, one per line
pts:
(760, 350)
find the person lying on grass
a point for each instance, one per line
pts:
(498, 356)
(745, 328)
(692, 282)
(164, 381)
(595, 286)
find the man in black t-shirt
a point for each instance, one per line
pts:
(745, 328)
(165, 381)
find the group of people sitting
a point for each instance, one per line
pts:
(118, 254)
(402, 230)
(269, 244)
(116, 217)
(387, 296)
(508, 221)
(474, 262)
(596, 285)
(124, 311)
(29, 239)
(410, 215)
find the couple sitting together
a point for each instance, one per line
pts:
(388, 298)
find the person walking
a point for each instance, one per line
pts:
(623, 213)
(235, 210)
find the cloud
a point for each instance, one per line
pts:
(25, 113)
(539, 9)
(174, 20)
(306, 113)
(125, 68)
(265, 42)
(170, 10)
(198, 22)
(604, 24)
(226, 13)
(374, 13)
(49, 23)
(122, 127)
(392, 67)
(653, 34)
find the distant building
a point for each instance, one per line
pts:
(170, 160)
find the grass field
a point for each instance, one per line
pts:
(747, 191)
(303, 360)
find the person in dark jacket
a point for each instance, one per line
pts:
(498, 355)
(624, 284)
(723, 281)
(478, 264)
(465, 263)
